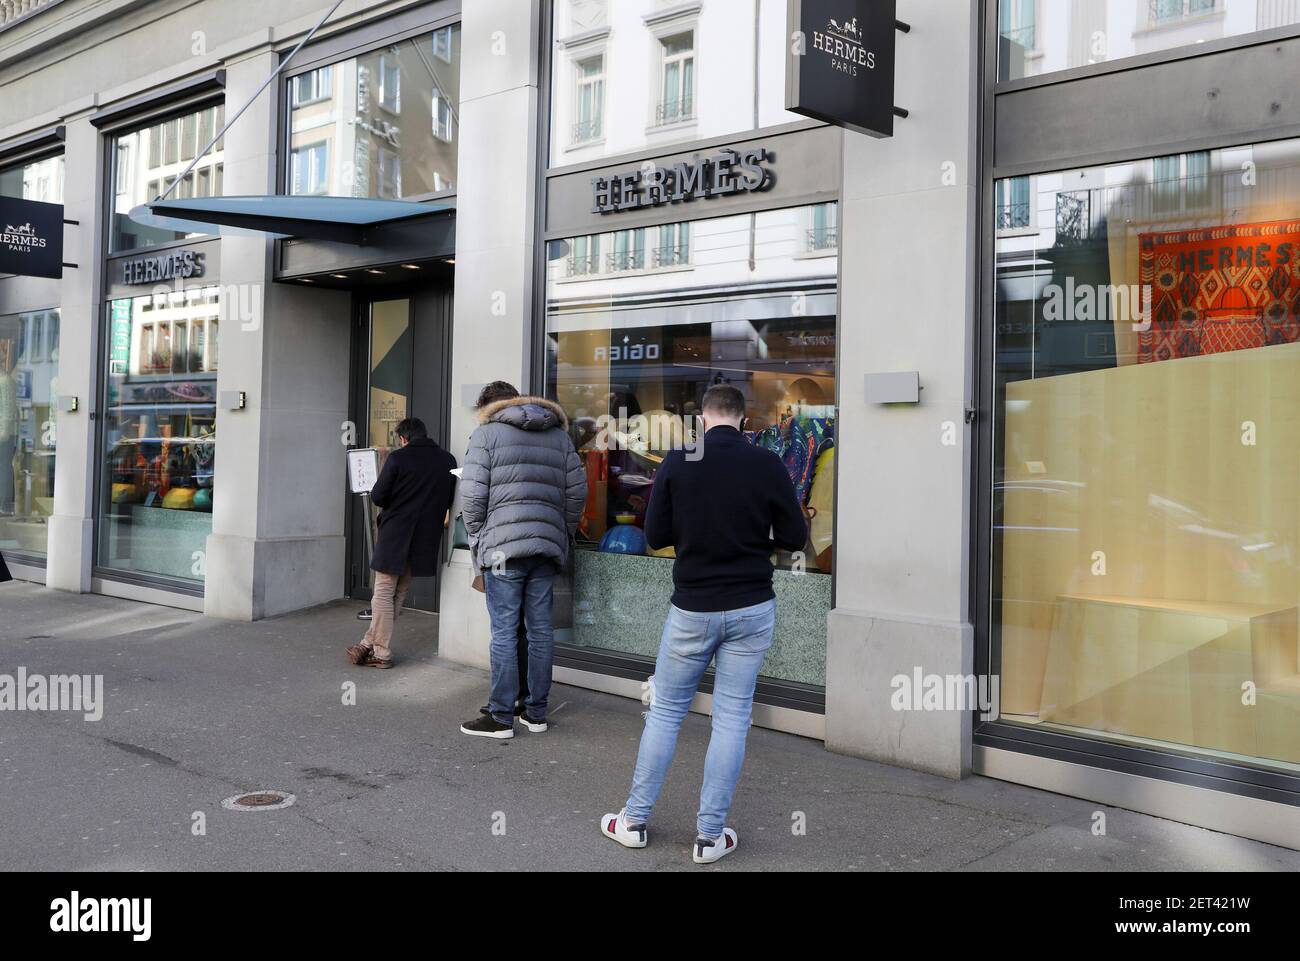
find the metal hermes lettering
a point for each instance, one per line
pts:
(181, 265)
(729, 172)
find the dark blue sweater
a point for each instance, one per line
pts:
(725, 513)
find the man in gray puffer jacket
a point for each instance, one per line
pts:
(522, 493)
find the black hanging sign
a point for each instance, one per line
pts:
(840, 63)
(31, 238)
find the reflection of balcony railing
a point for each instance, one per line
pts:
(674, 111)
(582, 266)
(823, 238)
(678, 256)
(626, 260)
(1013, 216)
(13, 10)
(585, 130)
(1025, 37)
(1073, 217)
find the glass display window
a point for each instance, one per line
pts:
(147, 160)
(382, 124)
(29, 383)
(633, 342)
(1146, 515)
(159, 433)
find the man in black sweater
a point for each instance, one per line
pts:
(725, 508)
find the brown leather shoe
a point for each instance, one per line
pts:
(375, 662)
(359, 654)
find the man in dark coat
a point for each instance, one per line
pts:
(4, 571)
(414, 493)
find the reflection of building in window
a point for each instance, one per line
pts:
(1018, 22)
(442, 116)
(148, 160)
(354, 109)
(1181, 182)
(1162, 12)
(1012, 204)
(390, 174)
(442, 44)
(310, 169)
(585, 256)
(674, 249)
(590, 101)
(677, 100)
(390, 84)
(825, 231)
(628, 252)
(312, 87)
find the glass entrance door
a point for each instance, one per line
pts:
(401, 354)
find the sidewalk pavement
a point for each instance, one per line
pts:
(198, 710)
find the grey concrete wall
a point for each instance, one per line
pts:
(494, 249)
(71, 539)
(907, 303)
(277, 542)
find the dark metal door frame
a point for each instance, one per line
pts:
(430, 316)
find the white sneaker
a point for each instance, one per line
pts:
(707, 850)
(615, 827)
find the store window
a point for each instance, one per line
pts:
(1042, 36)
(1146, 510)
(383, 124)
(629, 358)
(627, 75)
(146, 161)
(29, 377)
(36, 180)
(159, 433)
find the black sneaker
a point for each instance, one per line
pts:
(488, 726)
(536, 727)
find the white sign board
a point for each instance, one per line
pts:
(363, 470)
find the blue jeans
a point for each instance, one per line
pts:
(738, 639)
(524, 589)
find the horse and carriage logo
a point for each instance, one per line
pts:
(844, 42)
(847, 30)
(22, 238)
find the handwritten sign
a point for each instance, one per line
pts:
(363, 470)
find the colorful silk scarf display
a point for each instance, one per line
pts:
(798, 441)
(1220, 289)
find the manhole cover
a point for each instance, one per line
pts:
(258, 801)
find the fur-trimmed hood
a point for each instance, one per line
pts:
(526, 413)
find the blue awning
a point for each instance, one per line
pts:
(349, 220)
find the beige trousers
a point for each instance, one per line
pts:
(385, 606)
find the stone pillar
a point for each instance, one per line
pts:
(492, 326)
(72, 526)
(277, 541)
(908, 303)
